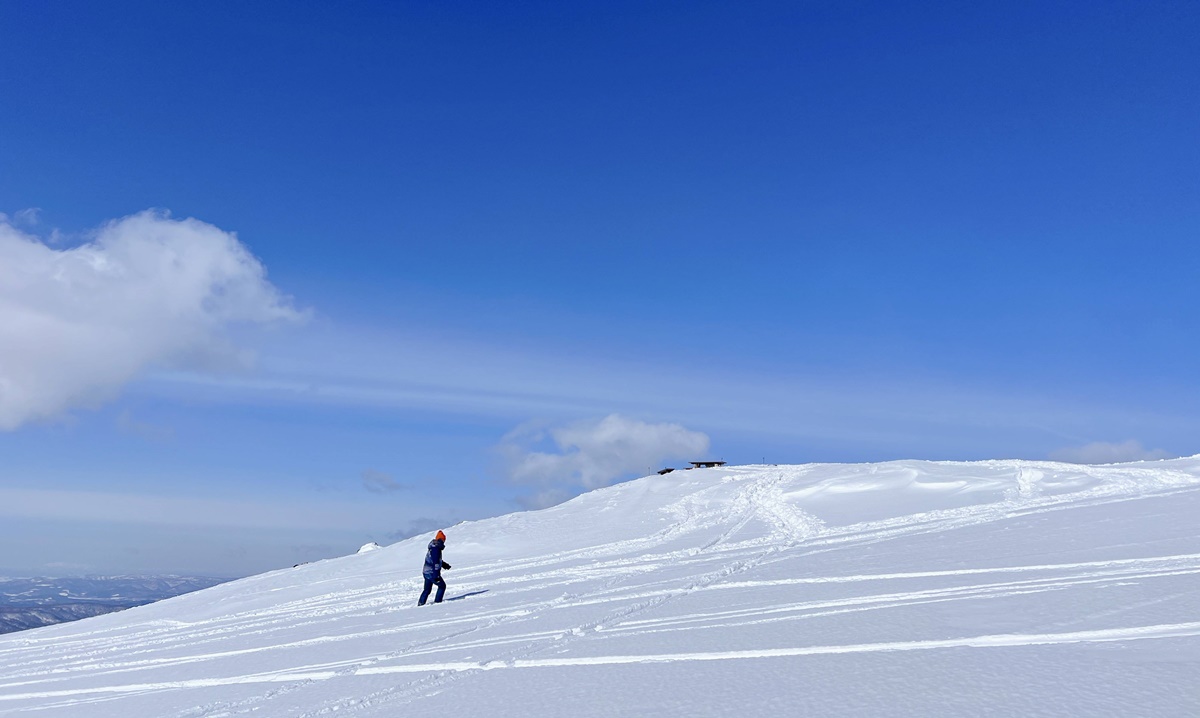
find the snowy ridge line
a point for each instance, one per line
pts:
(1003, 640)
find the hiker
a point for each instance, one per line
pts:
(433, 569)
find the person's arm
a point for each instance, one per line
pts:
(445, 565)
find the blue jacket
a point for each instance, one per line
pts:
(433, 560)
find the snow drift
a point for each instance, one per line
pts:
(903, 588)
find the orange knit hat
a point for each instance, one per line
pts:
(440, 536)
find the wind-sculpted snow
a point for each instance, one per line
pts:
(905, 588)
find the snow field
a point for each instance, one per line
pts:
(905, 588)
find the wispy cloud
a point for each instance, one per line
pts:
(818, 413)
(76, 324)
(417, 527)
(1108, 453)
(381, 483)
(589, 454)
(253, 512)
(544, 498)
(127, 424)
(29, 217)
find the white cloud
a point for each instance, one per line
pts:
(147, 290)
(27, 217)
(1108, 453)
(594, 453)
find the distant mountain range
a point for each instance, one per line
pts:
(33, 602)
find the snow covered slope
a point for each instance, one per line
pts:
(33, 602)
(904, 588)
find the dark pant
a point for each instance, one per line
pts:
(429, 583)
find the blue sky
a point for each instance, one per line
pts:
(785, 231)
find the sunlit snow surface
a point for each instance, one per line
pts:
(906, 588)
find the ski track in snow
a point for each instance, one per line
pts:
(755, 501)
(307, 674)
(715, 542)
